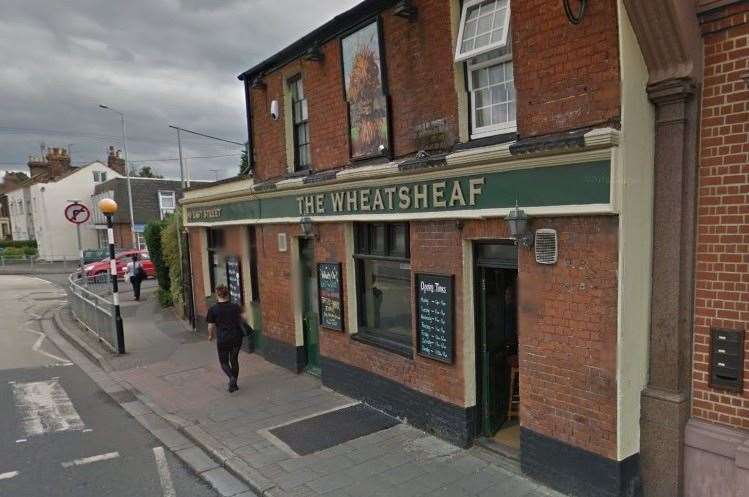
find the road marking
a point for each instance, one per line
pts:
(37, 348)
(87, 430)
(9, 475)
(164, 475)
(21, 440)
(92, 459)
(46, 408)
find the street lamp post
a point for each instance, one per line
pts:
(108, 207)
(127, 172)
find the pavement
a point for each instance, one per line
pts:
(174, 374)
(62, 434)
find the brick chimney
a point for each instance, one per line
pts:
(115, 162)
(59, 162)
(11, 180)
(53, 165)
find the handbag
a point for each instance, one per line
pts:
(246, 329)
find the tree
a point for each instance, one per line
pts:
(171, 252)
(152, 234)
(147, 172)
(244, 165)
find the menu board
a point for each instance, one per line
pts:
(434, 317)
(329, 286)
(234, 280)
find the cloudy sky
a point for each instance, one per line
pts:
(161, 62)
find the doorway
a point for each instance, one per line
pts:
(310, 317)
(497, 365)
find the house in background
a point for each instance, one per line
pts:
(153, 199)
(9, 183)
(37, 206)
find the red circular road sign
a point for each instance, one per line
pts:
(77, 213)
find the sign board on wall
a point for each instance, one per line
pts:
(234, 279)
(434, 317)
(330, 291)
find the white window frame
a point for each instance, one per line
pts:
(488, 48)
(492, 129)
(165, 211)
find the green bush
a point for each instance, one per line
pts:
(13, 252)
(29, 250)
(152, 234)
(165, 298)
(171, 250)
(18, 244)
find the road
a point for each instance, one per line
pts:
(60, 436)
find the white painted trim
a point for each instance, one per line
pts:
(459, 57)
(352, 303)
(204, 261)
(296, 290)
(559, 210)
(469, 327)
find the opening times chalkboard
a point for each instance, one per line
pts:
(329, 291)
(234, 279)
(434, 317)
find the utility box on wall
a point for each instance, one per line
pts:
(727, 360)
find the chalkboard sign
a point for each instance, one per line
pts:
(434, 317)
(234, 280)
(329, 285)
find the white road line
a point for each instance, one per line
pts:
(164, 475)
(9, 475)
(46, 408)
(38, 344)
(92, 459)
(87, 430)
(21, 440)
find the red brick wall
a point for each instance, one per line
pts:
(277, 293)
(418, 58)
(566, 76)
(722, 285)
(443, 381)
(567, 322)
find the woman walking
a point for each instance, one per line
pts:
(225, 324)
(136, 274)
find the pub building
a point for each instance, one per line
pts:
(450, 219)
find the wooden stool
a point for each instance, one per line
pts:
(513, 406)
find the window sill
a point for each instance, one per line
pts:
(487, 141)
(383, 343)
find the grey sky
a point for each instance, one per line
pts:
(160, 61)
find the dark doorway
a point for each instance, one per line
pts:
(497, 342)
(310, 317)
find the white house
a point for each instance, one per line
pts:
(19, 210)
(55, 235)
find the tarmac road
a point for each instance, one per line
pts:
(60, 436)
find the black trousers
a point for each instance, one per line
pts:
(228, 357)
(135, 281)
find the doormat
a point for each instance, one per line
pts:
(332, 428)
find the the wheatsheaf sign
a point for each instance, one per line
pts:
(564, 185)
(438, 194)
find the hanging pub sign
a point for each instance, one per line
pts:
(329, 285)
(434, 317)
(234, 279)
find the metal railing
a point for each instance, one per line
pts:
(94, 311)
(32, 264)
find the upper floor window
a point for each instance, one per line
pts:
(100, 176)
(167, 203)
(484, 44)
(484, 26)
(300, 116)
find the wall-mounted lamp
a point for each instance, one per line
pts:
(308, 227)
(405, 9)
(517, 222)
(258, 83)
(314, 54)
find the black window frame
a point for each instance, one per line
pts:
(296, 109)
(364, 243)
(216, 243)
(254, 281)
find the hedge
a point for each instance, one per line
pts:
(152, 234)
(18, 244)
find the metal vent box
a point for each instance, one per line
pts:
(546, 246)
(727, 360)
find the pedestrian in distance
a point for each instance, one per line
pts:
(225, 324)
(136, 274)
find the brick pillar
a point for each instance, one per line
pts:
(665, 400)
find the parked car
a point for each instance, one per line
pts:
(95, 255)
(122, 259)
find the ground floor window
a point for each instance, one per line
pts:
(141, 241)
(102, 239)
(384, 284)
(216, 258)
